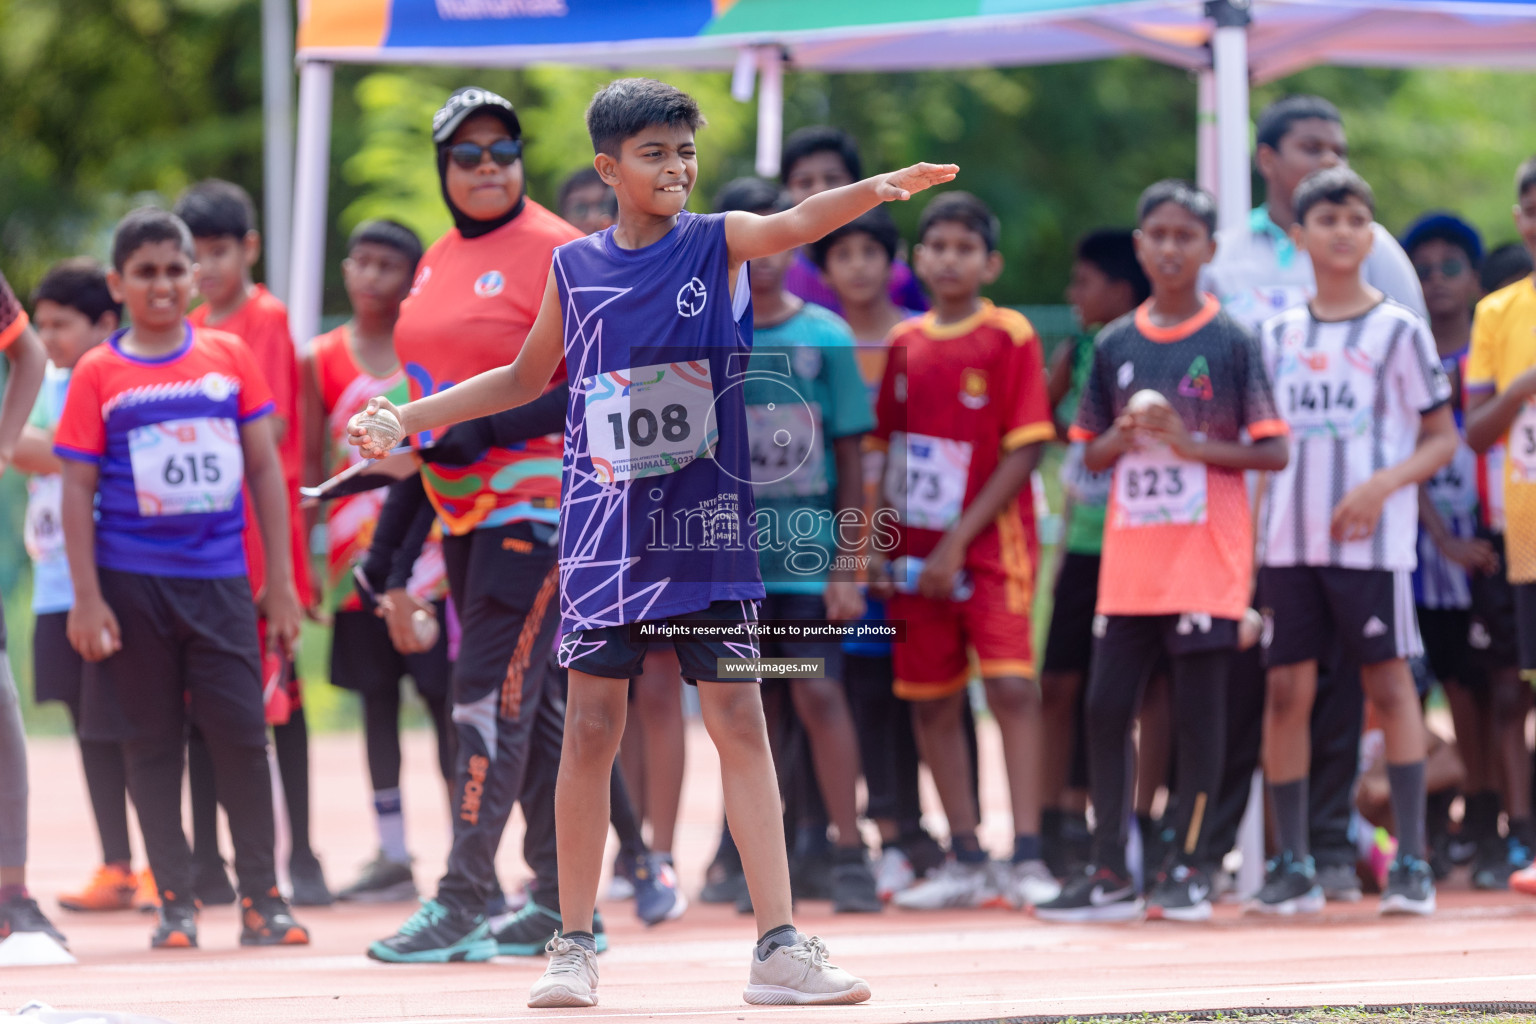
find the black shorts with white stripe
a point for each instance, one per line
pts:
(1369, 611)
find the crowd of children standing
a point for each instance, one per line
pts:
(1296, 480)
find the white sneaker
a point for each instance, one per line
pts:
(953, 884)
(569, 980)
(1028, 883)
(893, 873)
(799, 975)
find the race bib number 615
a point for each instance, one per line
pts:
(183, 467)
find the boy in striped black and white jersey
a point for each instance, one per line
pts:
(1357, 378)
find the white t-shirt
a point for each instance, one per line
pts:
(1353, 393)
(1271, 274)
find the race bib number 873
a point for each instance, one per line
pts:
(184, 467)
(648, 420)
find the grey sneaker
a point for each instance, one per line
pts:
(569, 980)
(1340, 883)
(801, 975)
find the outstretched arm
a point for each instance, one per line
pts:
(483, 395)
(750, 236)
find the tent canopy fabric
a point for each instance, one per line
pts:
(889, 35)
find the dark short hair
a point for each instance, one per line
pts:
(1112, 251)
(389, 233)
(1276, 119)
(820, 138)
(751, 195)
(217, 209)
(960, 207)
(1505, 265)
(1187, 196)
(583, 178)
(877, 224)
(81, 284)
(1525, 177)
(626, 107)
(146, 226)
(1331, 185)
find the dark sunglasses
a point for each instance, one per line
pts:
(468, 155)
(1448, 268)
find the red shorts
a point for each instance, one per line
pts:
(933, 662)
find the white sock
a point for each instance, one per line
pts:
(391, 822)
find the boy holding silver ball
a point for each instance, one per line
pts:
(1172, 390)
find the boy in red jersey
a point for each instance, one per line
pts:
(963, 407)
(222, 220)
(371, 653)
(162, 425)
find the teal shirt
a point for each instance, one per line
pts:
(1089, 492)
(803, 391)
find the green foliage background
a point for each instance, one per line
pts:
(108, 104)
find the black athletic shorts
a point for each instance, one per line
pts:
(56, 666)
(1492, 632)
(1069, 642)
(184, 641)
(1177, 634)
(1447, 648)
(810, 607)
(612, 653)
(1525, 626)
(364, 660)
(1369, 611)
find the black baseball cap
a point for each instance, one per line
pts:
(1450, 228)
(472, 99)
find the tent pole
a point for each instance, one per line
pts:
(311, 179)
(770, 111)
(1230, 53)
(1206, 171)
(277, 119)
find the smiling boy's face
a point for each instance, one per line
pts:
(155, 285)
(655, 171)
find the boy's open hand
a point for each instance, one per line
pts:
(280, 607)
(904, 183)
(1356, 516)
(376, 430)
(92, 629)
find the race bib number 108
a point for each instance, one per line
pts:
(648, 420)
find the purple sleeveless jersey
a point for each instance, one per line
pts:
(656, 489)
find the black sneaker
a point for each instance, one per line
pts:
(1440, 859)
(853, 887)
(810, 874)
(437, 934)
(1290, 888)
(266, 921)
(1183, 893)
(210, 884)
(723, 883)
(177, 927)
(527, 931)
(1340, 883)
(1097, 894)
(1410, 888)
(923, 851)
(1504, 857)
(308, 880)
(22, 914)
(382, 881)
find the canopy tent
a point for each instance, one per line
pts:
(760, 38)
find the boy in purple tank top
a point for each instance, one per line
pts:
(652, 320)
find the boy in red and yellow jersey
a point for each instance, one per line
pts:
(964, 410)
